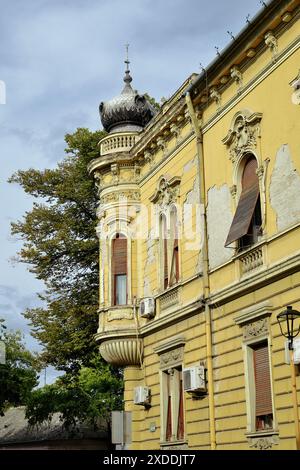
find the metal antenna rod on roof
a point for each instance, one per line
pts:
(231, 35)
(263, 3)
(248, 18)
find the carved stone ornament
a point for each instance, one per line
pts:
(263, 443)
(255, 329)
(98, 180)
(120, 314)
(243, 133)
(215, 96)
(148, 157)
(236, 74)
(171, 358)
(117, 196)
(115, 171)
(167, 191)
(271, 43)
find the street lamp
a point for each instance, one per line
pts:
(289, 322)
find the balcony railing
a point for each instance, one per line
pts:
(119, 142)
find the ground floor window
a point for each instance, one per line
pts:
(172, 403)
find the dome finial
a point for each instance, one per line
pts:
(127, 78)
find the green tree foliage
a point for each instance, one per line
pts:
(18, 375)
(86, 396)
(61, 247)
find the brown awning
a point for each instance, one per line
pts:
(244, 213)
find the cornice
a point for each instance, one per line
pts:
(249, 39)
(252, 84)
(256, 281)
(173, 317)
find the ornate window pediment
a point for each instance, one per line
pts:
(167, 191)
(243, 133)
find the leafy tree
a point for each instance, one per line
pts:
(18, 374)
(87, 396)
(61, 247)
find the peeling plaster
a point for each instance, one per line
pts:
(149, 261)
(285, 190)
(189, 166)
(219, 219)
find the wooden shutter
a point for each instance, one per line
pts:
(164, 241)
(247, 202)
(180, 430)
(169, 410)
(119, 261)
(262, 380)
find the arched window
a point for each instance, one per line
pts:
(164, 250)
(174, 248)
(247, 221)
(119, 270)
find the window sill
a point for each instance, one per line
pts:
(263, 440)
(174, 445)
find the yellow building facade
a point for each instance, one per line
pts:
(199, 232)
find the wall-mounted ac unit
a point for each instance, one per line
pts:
(194, 379)
(142, 396)
(147, 307)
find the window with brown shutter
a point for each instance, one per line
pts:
(119, 270)
(164, 241)
(263, 391)
(174, 277)
(246, 224)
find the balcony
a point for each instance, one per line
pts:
(251, 260)
(118, 336)
(118, 142)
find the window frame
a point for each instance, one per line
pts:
(238, 171)
(250, 386)
(111, 277)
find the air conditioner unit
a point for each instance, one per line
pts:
(296, 347)
(194, 379)
(147, 307)
(142, 396)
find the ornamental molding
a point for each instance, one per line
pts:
(254, 312)
(243, 133)
(118, 196)
(171, 358)
(167, 191)
(172, 343)
(272, 43)
(255, 329)
(237, 76)
(122, 352)
(263, 442)
(215, 96)
(120, 314)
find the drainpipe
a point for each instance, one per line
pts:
(205, 263)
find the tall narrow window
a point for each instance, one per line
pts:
(263, 391)
(247, 221)
(173, 405)
(174, 276)
(164, 245)
(119, 270)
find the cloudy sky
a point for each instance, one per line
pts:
(59, 59)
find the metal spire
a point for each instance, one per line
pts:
(127, 78)
(127, 62)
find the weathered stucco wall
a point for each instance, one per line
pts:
(219, 218)
(285, 190)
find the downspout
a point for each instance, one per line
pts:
(205, 263)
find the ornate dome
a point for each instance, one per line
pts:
(127, 112)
